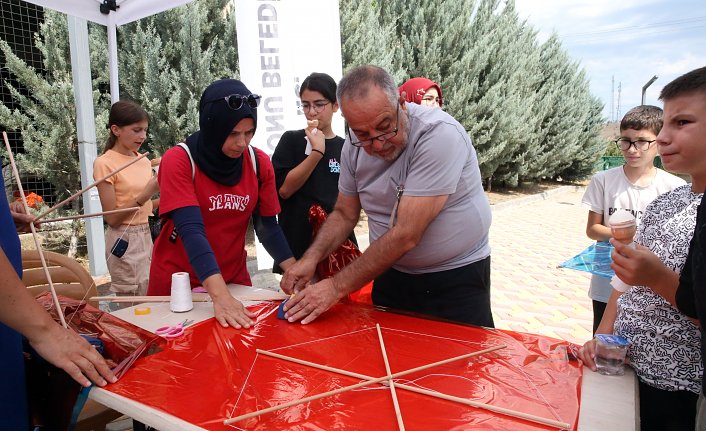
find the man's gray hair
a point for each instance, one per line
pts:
(357, 82)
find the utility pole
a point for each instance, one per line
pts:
(644, 88)
(612, 98)
(617, 110)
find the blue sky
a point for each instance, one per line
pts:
(630, 40)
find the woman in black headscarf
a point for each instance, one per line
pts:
(206, 203)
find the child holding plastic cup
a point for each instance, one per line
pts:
(665, 349)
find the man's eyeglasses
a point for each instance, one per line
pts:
(317, 106)
(641, 145)
(381, 137)
(236, 101)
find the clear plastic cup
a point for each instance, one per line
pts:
(610, 354)
(623, 226)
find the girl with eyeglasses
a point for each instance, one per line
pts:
(422, 91)
(307, 163)
(210, 188)
(128, 239)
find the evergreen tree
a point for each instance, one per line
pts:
(46, 117)
(165, 62)
(365, 39)
(488, 103)
(518, 58)
(566, 121)
(591, 145)
(527, 108)
(430, 36)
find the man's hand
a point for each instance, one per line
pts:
(297, 276)
(308, 304)
(70, 352)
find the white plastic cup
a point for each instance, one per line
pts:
(623, 226)
(181, 300)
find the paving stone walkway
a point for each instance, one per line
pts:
(530, 237)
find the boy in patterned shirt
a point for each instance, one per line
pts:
(665, 349)
(687, 98)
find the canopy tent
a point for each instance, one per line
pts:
(110, 13)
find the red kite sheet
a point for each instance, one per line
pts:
(212, 374)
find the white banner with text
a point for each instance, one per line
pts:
(279, 44)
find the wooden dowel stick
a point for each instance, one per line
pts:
(357, 385)
(80, 192)
(73, 217)
(303, 400)
(315, 365)
(140, 298)
(496, 409)
(395, 402)
(501, 410)
(195, 297)
(37, 243)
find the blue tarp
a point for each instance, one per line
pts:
(595, 259)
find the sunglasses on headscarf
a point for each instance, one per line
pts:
(236, 101)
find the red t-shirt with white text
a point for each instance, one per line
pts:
(226, 211)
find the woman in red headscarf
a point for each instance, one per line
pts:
(422, 91)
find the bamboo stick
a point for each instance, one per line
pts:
(395, 402)
(37, 243)
(138, 298)
(357, 385)
(80, 192)
(496, 409)
(501, 410)
(102, 213)
(196, 297)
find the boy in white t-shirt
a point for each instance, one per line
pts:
(626, 188)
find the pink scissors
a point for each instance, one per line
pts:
(173, 331)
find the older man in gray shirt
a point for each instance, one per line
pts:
(415, 172)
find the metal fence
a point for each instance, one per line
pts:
(18, 25)
(608, 162)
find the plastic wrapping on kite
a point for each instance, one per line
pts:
(339, 258)
(123, 342)
(213, 373)
(52, 393)
(342, 256)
